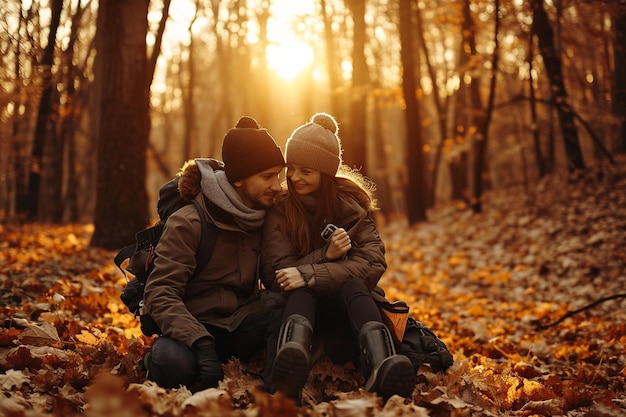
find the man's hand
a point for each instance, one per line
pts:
(338, 245)
(290, 278)
(209, 366)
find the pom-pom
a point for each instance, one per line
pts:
(326, 121)
(247, 122)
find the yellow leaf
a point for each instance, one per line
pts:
(87, 338)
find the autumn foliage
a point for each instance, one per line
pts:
(493, 286)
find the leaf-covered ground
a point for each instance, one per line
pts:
(493, 286)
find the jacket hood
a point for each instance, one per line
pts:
(207, 176)
(189, 184)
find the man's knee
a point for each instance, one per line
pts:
(170, 364)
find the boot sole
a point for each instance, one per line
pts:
(396, 376)
(291, 370)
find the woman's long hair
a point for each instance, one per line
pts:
(304, 227)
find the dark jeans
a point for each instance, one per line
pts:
(336, 320)
(171, 364)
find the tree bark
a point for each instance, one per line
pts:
(333, 75)
(122, 137)
(224, 62)
(355, 149)
(619, 83)
(187, 87)
(543, 31)
(441, 109)
(416, 190)
(71, 117)
(44, 120)
(482, 139)
(541, 164)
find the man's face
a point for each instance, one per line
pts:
(258, 191)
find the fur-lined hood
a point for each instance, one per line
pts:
(189, 184)
(206, 176)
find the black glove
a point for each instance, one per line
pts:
(209, 365)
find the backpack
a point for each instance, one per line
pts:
(141, 254)
(411, 337)
(422, 346)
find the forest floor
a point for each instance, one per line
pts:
(528, 295)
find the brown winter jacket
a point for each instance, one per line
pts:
(365, 260)
(222, 294)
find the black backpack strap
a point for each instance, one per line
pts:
(150, 235)
(125, 253)
(208, 237)
(143, 239)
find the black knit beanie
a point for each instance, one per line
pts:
(248, 150)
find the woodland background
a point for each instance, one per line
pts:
(494, 130)
(101, 102)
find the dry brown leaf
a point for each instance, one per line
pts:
(13, 379)
(397, 406)
(551, 407)
(43, 334)
(13, 406)
(159, 400)
(277, 405)
(354, 407)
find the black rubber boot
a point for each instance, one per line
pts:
(293, 360)
(385, 372)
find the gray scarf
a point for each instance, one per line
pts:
(221, 192)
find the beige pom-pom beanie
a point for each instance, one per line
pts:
(316, 145)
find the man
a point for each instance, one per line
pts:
(220, 312)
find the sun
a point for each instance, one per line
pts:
(289, 58)
(287, 54)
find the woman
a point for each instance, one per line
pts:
(337, 275)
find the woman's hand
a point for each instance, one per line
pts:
(290, 279)
(338, 245)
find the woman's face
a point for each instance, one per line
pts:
(304, 180)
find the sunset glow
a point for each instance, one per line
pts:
(287, 54)
(288, 59)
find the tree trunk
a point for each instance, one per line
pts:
(123, 100)
(459, 167)
(541, 164)
(71, 116)
(619, 83)
(441, 110)
(333, 74)
(480, 145)
(380, 167)
(416, 190)
(17, 189)
(158, 40)
(355, 149)
(44, 121)
(52, 175)
(479, 115)
(261, 89)
(187, 87)
(224, 61)
(552, 62)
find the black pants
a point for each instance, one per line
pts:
(336, 320)
(171, 364)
